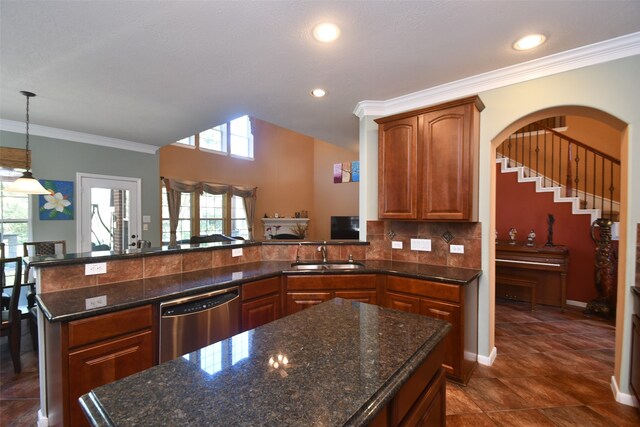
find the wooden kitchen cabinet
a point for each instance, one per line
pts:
(457, 304)
(428, 162)
(634, 372)
(304, 291)
(87, 353)
(261, 302)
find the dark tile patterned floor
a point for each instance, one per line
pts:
(552, 369)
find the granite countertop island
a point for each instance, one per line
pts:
(336, 364)
(67, 305)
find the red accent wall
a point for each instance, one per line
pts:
(520, 206)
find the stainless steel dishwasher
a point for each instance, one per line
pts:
(193, 322)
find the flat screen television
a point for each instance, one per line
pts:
(345, 228)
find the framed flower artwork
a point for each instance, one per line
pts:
(58, 204)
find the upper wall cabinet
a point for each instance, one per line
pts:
(428, 162)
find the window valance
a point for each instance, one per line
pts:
(175, 188)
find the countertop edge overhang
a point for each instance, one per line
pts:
(57, 306)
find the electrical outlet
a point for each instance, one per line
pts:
(456, 249)
(236, 275)
(396, 244)
(95, 268)
(421, 245)
(95, 302)
(236, 252)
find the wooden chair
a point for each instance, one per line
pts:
(12, 317)
(43, 248)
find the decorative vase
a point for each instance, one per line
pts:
(605, 278)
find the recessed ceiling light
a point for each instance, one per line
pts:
(326, 32)
(318, 93)
(529, 42)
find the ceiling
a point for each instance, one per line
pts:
(153, 72)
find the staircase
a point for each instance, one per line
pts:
(577, 205)
(573, 171)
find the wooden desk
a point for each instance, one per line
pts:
(541, 269)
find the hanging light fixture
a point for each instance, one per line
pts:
(26, 184)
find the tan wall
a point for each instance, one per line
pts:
(329, 198)
(594, 133)
(293, 172)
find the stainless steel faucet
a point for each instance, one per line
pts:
(323, 250)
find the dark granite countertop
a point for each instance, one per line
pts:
(71, 304)
(345, 361)
(98, 256)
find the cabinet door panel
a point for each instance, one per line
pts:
(104, 363)
(397, 169)
(453, 341)
(446, 160)
(297, 301)
(260, 311)
(402, 302)
(363, 296)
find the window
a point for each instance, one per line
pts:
(232, 138)
(14, 216)
(208, 214)
(189, 141)
(214, 139)
(238, 218)
(183, 231)
(241, 140)
(211, 214)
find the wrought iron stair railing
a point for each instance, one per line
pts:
(580, 170)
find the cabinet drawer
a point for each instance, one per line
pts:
(338, 281)
(86, 331)
(106, 362)
(426, 288)
(260, 288)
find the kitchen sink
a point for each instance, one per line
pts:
(327, 266)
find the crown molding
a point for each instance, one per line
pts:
(597, 53)
(69, 135)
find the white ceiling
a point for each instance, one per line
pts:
(153, 72)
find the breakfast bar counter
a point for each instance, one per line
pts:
(335, 364)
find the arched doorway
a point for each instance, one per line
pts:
(579, 111)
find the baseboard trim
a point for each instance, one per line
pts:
(488, 361)
(576, 303)
(42, 420)
(624, 398)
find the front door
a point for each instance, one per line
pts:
(109, 216)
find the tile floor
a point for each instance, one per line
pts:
(19, 393)
(552, 369)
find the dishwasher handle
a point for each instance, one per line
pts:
(199, 305)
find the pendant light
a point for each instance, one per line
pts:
(26, 184)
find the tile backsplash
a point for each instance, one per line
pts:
(381, 233)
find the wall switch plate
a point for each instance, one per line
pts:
(95, 302)
(236, 252)
(146, 218)
(456, 249)
(396, 244)
(421, 245)
(95, 268)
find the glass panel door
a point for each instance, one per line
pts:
(109, 214)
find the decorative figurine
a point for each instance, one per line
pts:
(550, 221)
(512, 235)
(530, 237)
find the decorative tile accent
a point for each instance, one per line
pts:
(447, 236)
